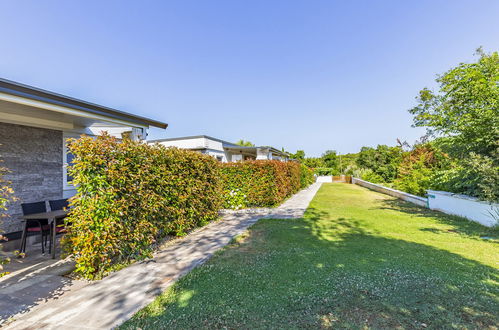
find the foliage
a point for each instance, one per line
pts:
(416, 171)
(235, 199)
(306, 176)
(369, 175)
(357, 260)
(243, 143)
(264, 182)
(382, 161)
(313, 162)
(466, 107)
(6, 195)
(330, 159)
(299, 155)
(326, 171)
(474, 176)
(347, 162)
(130, 195)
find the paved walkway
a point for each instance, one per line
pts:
(108, 303)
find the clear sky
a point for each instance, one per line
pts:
(312, 75)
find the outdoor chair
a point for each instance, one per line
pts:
(58, 204)
(35, 225)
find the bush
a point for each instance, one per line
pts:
(6, 195)
(476, 176)
(326, 171)
(263, 182)
(306, 176)
(369, 175)
(130, 195)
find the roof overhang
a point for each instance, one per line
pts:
(33, 98)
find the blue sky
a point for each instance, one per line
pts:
(312, 75)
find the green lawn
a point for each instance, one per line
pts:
(357, 259)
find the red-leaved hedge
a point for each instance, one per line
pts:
(132, 194)
(262, 183)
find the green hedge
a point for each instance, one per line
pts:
(262, 183)
(132, 194)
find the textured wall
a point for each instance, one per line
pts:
(34, 157)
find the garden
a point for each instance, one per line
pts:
(358, 259)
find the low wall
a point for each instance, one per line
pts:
(421, 201)
(324, 178)
(467, 207)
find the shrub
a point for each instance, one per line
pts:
(476, 176)
(369, 175)
(264, 182)
(6, 195)
(132, 194)
(326, 171)
(306, 176)
(418, 167)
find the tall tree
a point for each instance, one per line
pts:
(465, 108)
(330, 159)
(299, 155)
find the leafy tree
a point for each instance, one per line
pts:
(475, 175)
(244, 143)
(463, 115)
(416, 171)
(313, 162)
(465, 108)
(330, 159)
(299, 155)
(383, 161)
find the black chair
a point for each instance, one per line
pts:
(59, 204)
(35, 225)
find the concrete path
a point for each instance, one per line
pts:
(108, 303)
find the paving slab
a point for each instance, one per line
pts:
(109, 302)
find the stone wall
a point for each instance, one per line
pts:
(34, 157)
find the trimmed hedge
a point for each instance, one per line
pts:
(263, 183)
(130, 195)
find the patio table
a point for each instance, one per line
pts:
(52, 217)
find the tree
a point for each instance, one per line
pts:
(465, 108)
(243, 143)
(383, 161)
(299, 155)
(330, 159)
(313, 162)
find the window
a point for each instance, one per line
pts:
(67, 159)
(220, 158)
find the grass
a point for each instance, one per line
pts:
(358, 259)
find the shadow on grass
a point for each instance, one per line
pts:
(323, 271)
(459, 225)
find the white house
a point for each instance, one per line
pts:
(34, 127)
(222, 150)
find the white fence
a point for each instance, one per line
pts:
(421, 201)
(467, 207)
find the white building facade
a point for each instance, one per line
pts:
(222, 150)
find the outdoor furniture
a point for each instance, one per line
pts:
(59, 204)
(51, 217)
(34, 224)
